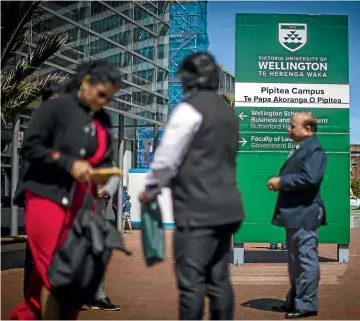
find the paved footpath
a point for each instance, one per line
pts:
(150, 293)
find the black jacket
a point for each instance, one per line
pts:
(60, 132)
(299, 203)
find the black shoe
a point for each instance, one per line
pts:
(297, 314)
(282, 308)
(104, 304)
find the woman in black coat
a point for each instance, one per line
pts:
(66, 139)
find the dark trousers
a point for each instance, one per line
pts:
(201, 264)
(304, 269)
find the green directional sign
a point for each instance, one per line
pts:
(287, 64)
(333, 120)
(280, 142)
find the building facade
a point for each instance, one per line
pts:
(227, 82)
(131, 35)
(355, 160)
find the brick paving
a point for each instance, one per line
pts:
(150, 293)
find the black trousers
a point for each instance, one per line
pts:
(202, 269)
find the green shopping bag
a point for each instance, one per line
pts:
(153, 238)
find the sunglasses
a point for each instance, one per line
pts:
(102, 94)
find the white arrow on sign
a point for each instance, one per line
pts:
(243, 141)
(242, 116)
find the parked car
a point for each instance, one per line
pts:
(354, 203)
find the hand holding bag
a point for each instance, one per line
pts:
(153, 239)
(79, 265)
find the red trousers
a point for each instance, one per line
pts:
(47, 224)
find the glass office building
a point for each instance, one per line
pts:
(227, 82)
(132, 35)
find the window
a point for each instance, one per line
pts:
(161, 53)
(147, 52)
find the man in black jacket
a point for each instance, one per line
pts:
(197, 160)
(301, 211)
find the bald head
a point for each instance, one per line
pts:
(307, 120)
(302, 125)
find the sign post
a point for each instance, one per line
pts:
(287, 64)
(16, 143)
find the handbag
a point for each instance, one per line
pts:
(78, 266)
(153, 239)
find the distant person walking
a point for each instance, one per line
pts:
(115, 202)
(127, 214)
(275, 246)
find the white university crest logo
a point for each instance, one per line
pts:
(292, 36)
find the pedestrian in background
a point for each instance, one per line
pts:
(116, 201)
(275, 246)
(127, 214)
(104, 194)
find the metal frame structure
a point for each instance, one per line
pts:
(188, 34)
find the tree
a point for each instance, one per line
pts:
(20, 85)
(355, 186)
(229, 99)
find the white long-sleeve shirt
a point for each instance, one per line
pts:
(183, 124)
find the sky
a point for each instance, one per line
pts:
(221, 32)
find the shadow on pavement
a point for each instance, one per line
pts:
(265, 304)
(12, 256)
(275, 256)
